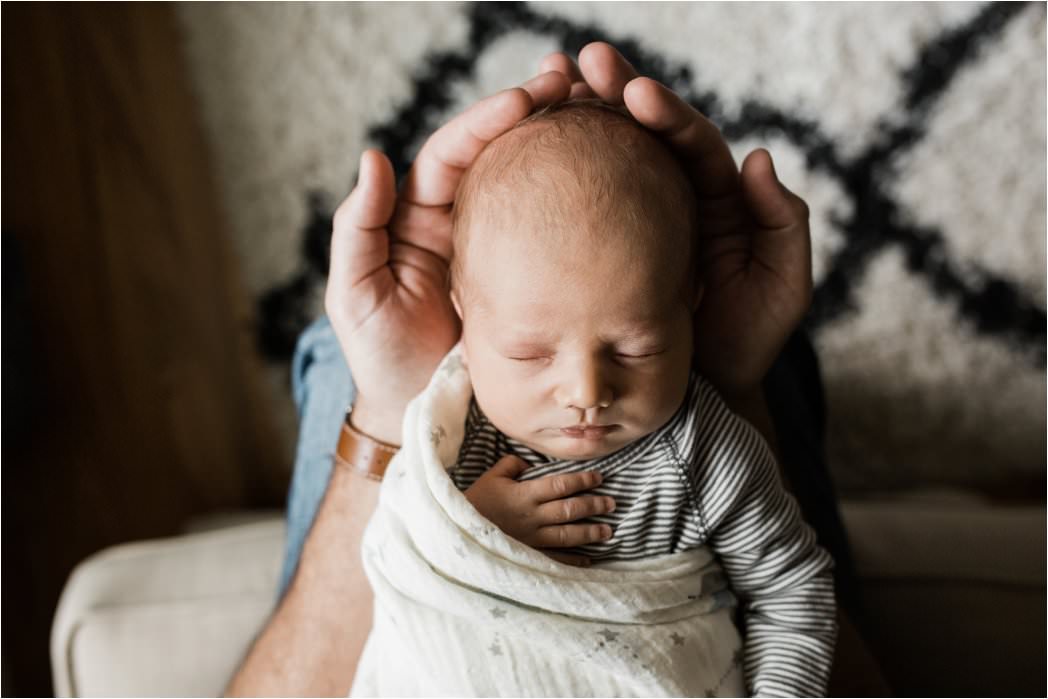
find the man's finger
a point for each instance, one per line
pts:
(359, 239)
(568, 535)
(581, 91)
(708, 160)
(547, 88)
(696, 140)
(606, 71)
(562, 485)
(436, 172)
(562, 63)
(772, 205)
(783, 239)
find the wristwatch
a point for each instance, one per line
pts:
(362, 454)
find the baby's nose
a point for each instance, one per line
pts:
(586, 390)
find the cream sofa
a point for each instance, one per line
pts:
(955, 586)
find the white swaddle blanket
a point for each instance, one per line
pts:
(463, 609)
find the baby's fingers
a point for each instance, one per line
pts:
(509, 466)
(562, 485)
(571, 509)
(569, 535)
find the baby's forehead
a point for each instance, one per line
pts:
(533, 275)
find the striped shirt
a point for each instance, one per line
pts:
(706, 478)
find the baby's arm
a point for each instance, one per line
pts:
(770, 555)
(541, 512)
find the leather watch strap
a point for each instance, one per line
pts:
(363, 454)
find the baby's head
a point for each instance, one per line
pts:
(574, 279)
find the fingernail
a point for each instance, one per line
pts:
(609, 503)
(605, 532)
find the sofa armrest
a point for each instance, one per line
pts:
(170, 617)
(954, 592)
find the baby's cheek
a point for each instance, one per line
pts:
(497, 391)
(669, 389)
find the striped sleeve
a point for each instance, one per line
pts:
(769, 553)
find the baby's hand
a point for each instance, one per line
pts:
(538, 512)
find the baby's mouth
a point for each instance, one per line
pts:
(589, 433)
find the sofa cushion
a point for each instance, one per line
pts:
(166, 617)
(954, 587)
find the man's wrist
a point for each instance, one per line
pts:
(379, 422)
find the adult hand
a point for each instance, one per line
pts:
(387, 293)
(754, 245)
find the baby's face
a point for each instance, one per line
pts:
(575, 349)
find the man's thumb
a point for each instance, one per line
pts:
(769, 202)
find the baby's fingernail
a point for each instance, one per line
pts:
(609, 504)
(605, 532)
(598, 478)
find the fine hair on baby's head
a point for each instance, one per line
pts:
(573, 275)
(578, 173)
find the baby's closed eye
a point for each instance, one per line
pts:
(639, 354)
(527, 357)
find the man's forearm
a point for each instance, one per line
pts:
(312, 644)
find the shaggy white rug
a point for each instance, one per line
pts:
(916, 132)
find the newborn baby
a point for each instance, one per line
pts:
(575, 278)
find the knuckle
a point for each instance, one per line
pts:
(560, 486)
(598, 506)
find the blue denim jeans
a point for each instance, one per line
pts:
(323, 389)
